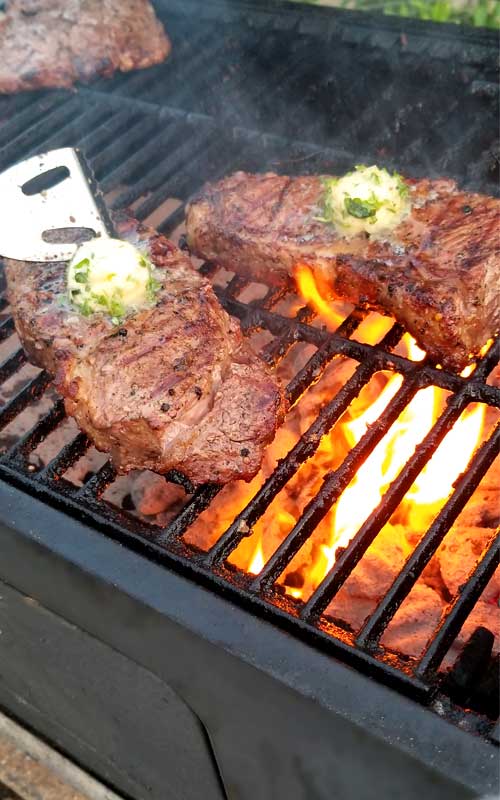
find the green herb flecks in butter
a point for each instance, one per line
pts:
(366, 200)
(111, 277)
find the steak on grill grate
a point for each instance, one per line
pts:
(47, 43)
(439, 275)
(175, 387)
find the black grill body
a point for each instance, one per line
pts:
(165, 689)
(266, 697)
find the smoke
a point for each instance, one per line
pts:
(315, 89)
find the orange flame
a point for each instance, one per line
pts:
(257, 560)
(309, 290)
(433, 485)
(429, 491)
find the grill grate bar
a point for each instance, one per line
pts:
(236, 285)
(253, 317)
(159, 173)
(114, 160)
(31, 139)
(37, 433)
(200, 501)
(358, 545)
(305, 447)
(66, 133)
(334, 484)
(12, 364)
(6, 328)
(185, 175)
(107, 127)
(460, 608)
(30, 393)
(170, 223)
(98, 483)
(65, 458)
(276, 350)
(415, 564)
(24, 124)
(310, 373)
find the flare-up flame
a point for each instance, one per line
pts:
(310, 292)
(362, 496)
(257, 560)
(435, 482)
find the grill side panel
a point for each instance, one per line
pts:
(203, 647)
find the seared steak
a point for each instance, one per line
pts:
(439, 274)
(49, 43)
(175, 387)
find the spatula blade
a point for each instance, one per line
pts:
(30, 211)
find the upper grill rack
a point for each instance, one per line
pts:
(143, 155)
(422, 98)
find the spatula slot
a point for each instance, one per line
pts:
(68, 235)
(47, 180)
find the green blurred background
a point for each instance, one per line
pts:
(480, 13)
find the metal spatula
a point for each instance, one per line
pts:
(50, 192)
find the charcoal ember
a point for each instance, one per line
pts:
(418, 616)
(487, 691)
(86, 466)
(118, 492)
(414, 622)
(371, 578)
(486, 615)
(127, 503)
(458, 556)
(473, 681)
(470, 665)
(483, 509)
(152, 495)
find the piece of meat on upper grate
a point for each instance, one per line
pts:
(438, 273)
(49, 43)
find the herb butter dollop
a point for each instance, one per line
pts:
(112, 277)
(367, 200)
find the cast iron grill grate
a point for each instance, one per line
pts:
(143, 154)
(422, 98)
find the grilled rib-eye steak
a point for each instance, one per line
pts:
(175, 387)
(54, 43)
(439, 274)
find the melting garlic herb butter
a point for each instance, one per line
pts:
(112, 277)
(368, 199)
